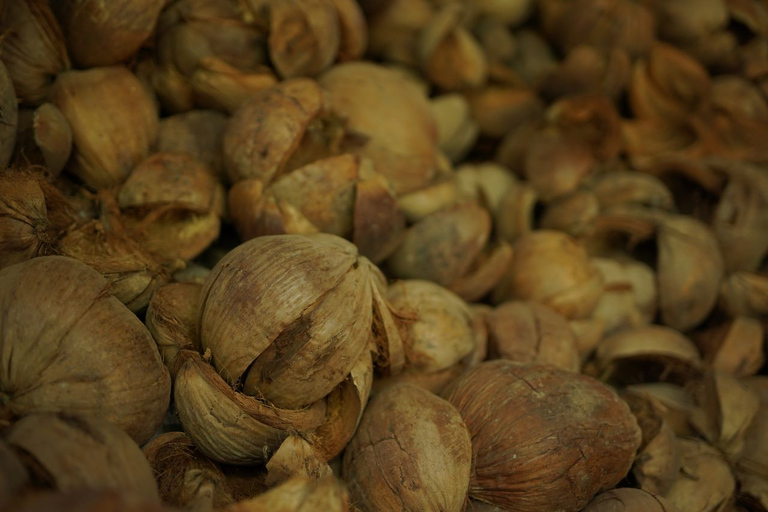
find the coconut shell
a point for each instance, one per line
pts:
(443, 246)
(706, 482)
(100, 34)
(543, 438)
(77, 453)
(299, 494)
(34, 50)
(528, 332)
(197, 133)
(393, 115)
(411, 451)
(265, 130)
(552, 268)
(104, 106)
(77, 348)
(304, 36)
(629, 500)
(9, 115)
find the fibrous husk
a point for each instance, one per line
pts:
(411, 451)
(265, 132)
(198, 133)
(528, 332)
(442, 335)
(629, 500)
(341, 195)
(77, 348)
(657, 464)
(295, 456)
(104, 245)
(299, 494)
(457, 131)
(554, 269)
(113, 121)
(498, 110)
(706, 483)
(543, 438)
(185, 477)
(34, 51)
(44, 138)
(9, 116)
(629, 298)
(104, 34)
(752, 466)
(304, 36)
(171, 205)
(442, 246)
(727, 407)
(450, 56)
(392, 115)
(33, 216)
(734, 347)
(648, 353)
(68, 452)
(282, 390)
(745, 294)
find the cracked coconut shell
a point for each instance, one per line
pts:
(68, 345)
(412, 451)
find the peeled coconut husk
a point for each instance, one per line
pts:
(89, 501)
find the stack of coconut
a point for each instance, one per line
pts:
(383, 255)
